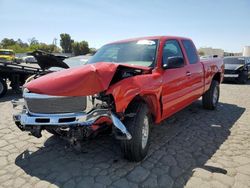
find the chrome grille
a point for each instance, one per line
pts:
(44, 104)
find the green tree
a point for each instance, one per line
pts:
(33, 41)
(7, 42)
(68, 45)
(22, 44)
(80, 48)
(92, 51)
(66, 42)
(18, 49)
(51, 48)
(55, 48)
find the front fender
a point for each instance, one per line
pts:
(148, 87)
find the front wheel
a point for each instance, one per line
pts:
(211, 97)
(138, 126)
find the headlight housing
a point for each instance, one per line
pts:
(242, 68)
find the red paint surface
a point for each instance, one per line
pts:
(165, 91)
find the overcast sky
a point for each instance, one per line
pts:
(218, 23)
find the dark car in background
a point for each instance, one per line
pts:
(237, 69)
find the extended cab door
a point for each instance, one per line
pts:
(174, 81)
(195, 70)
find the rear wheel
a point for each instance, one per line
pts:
(3, 87)
(211, 97)
(139, 127)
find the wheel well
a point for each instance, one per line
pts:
(150, 101)
(136, 99)
(217, 77)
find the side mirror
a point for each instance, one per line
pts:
(174, 62)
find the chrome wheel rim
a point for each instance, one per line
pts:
(1, 88)
(215, 95)
(145, 132)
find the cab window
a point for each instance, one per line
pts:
(191, 51)
(171, 49)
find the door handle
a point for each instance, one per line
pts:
(188, 73)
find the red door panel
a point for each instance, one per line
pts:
(175, 90)
(195, 80)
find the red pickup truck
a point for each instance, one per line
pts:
(125, 87)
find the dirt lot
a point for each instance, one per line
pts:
(194, 148)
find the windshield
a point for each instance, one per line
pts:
(6, 53)
(141, 52)
(239, 60)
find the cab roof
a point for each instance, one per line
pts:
(151, 38)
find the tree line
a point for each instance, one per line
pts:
(68, 45)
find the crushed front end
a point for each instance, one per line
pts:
(73, 117)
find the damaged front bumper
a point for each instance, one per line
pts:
(25, 120)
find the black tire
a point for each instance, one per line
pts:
(136, 149)
(243, 77)
(211, 97)
(3, 87)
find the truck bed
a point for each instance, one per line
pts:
(211, 66)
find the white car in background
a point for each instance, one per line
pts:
(29, 59)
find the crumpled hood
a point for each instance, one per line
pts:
(86, 80)
(233, 66)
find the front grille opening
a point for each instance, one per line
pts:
(67, 120)
(42, 120)
(56, 105)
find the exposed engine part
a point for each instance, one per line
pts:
(93, 100)
(78, 133)
(125, 72)
(36, 131)
(104, 101)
